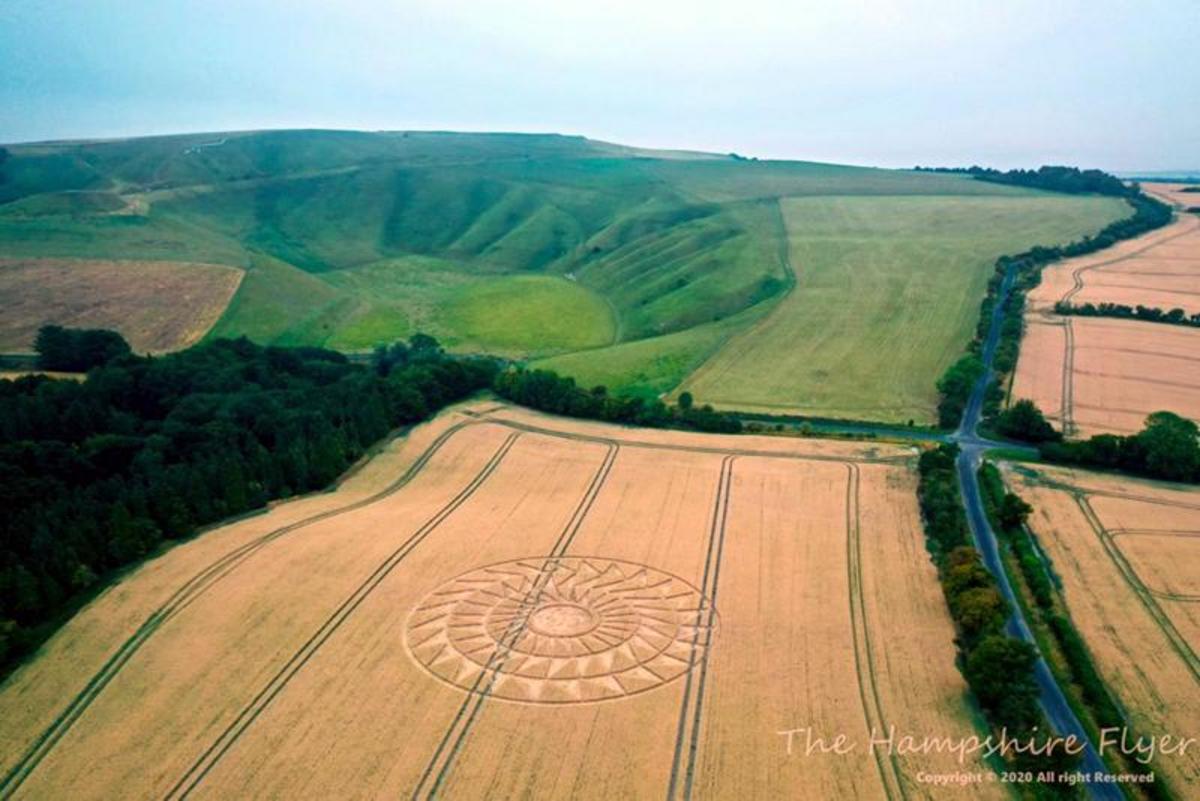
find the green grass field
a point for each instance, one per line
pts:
(887, 295)
(641, 270)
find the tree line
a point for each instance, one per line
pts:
(547, 391)
(1122, 311)
(999, 669)
(1167, 447)
(95, 475)
(1009, 513)
(1071, 180)
(1026, 269)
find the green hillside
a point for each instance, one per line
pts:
(631, 267)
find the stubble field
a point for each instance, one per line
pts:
(649, 609)
(1126, 553)
(156, 305)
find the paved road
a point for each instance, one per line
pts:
(1053, 702)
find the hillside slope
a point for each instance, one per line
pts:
(630, 266)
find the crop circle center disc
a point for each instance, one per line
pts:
(563, 620)
(560, 630)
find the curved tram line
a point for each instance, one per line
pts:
(213, 754)
(1129, 575)
(177, 602)
(209, 576)
(1077, 273)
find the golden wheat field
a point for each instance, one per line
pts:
(1126, 553)
(1093, 375)
(648, 610)
(1160, 269)
(156, 305)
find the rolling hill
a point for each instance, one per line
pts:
(628, 267)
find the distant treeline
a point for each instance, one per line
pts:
(1055, 179)
(96, 474)
(550, 392)
(999, 669)
(1121, 311)
(1167, 447)
(1026, 268)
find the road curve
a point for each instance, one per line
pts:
(1051, 698)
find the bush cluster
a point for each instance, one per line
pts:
(999, 669)
(1167, 447)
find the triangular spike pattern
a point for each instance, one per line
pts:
(561, 629)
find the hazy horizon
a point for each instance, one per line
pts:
(890, 84)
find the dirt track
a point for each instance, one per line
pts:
(649, 609)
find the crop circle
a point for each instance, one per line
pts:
(555, 630)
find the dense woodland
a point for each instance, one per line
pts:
(97, 474)
(1026, 268)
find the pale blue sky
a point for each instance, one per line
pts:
(1100, 83)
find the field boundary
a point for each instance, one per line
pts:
(1186, 534)
(209, 759)
(180, 599)
(746, 334)
(815, 457)
(1131, 578)
(1077, 273)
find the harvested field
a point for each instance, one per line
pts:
(1096, 375)
(649, 610)
(1158, 270)
(156, 305)
(1127, 553)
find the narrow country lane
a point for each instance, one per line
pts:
(1053, 701)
